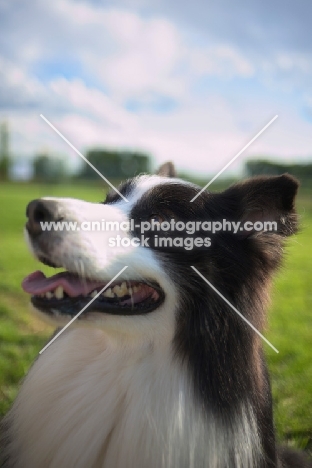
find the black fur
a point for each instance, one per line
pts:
(223, 354)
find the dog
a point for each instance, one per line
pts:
(158, 371)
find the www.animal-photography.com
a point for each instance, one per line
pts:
(155, 232)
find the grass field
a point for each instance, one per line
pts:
(290, 317)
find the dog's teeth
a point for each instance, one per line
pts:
(124, 288)
(135, 289)
(94, 293)
(48, 295)
(59, 292)
(155, 296)
(118, 291)
(108, 293)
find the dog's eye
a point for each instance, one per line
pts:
(157, 218)
(163, 216)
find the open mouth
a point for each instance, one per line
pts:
(66, 294)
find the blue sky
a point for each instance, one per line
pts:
(188, 81)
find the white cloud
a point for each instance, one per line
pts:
(153, 56)
(135, 56)
(221, 60)
(92, 102)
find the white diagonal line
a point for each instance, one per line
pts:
(236, 156)
(235, 310)
(82, 310)
(82, 156)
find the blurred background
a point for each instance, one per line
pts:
(132, 84)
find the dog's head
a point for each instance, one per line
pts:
(159, 276)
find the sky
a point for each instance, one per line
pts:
(192, 82)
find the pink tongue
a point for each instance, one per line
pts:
(36, 283)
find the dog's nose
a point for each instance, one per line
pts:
(40, 211)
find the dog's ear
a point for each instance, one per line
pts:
(167, 170)
(262, 199)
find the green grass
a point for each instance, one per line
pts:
(290, 329)
(289, 324)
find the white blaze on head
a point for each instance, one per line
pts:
(88, 254)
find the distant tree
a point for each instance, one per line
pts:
(115, 164)
(263, 167)
(48, 169)
(4, 151)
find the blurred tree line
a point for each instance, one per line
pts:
(115, 165)
(48, 169)
(303, 172)
(4, 151)
(118, 165)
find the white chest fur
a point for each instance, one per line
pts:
(88, 403)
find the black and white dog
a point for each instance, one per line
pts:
(158, 371)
